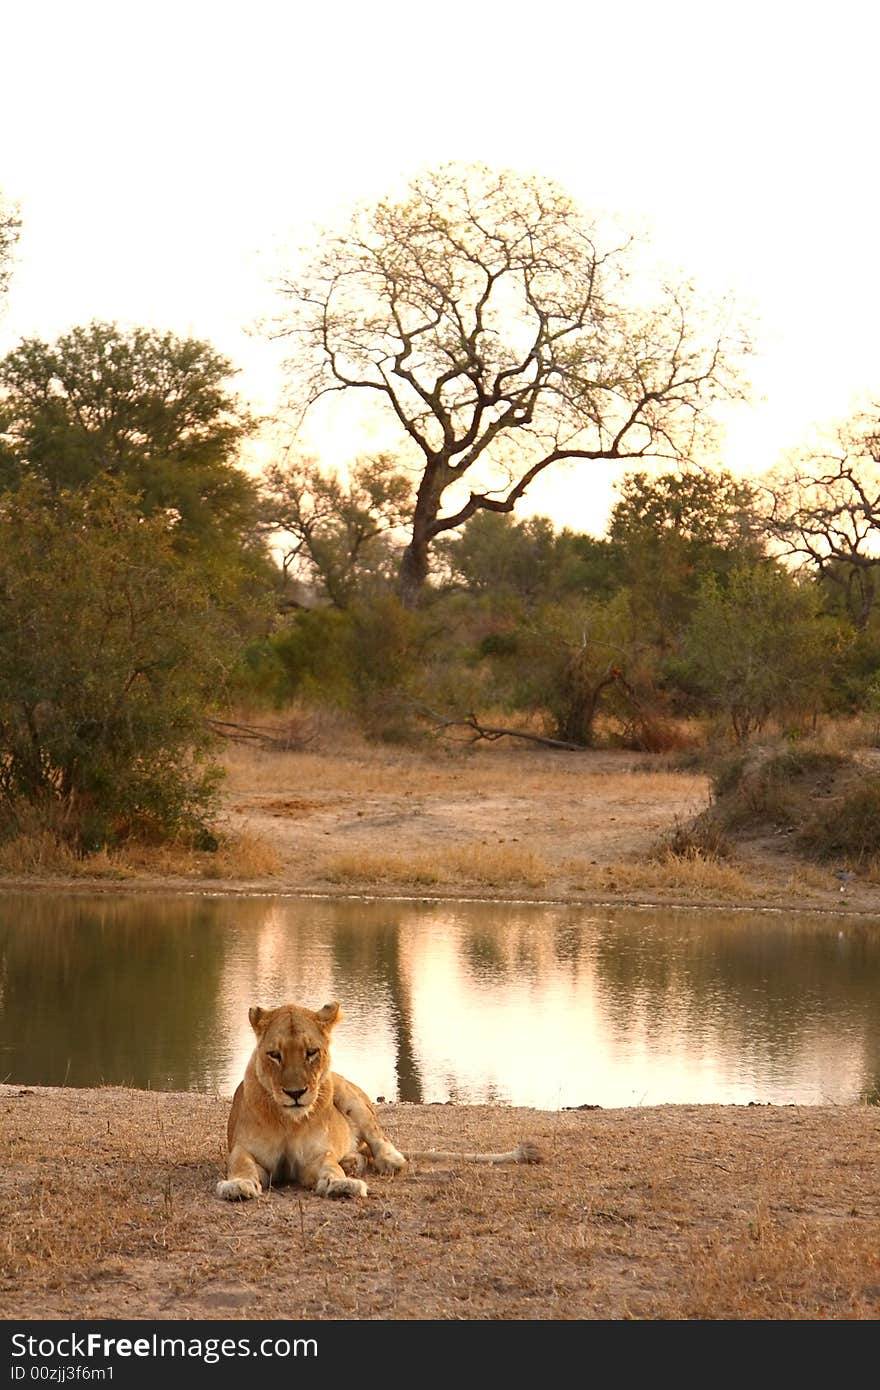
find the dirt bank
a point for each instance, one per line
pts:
(501, 823)
(107, 1210)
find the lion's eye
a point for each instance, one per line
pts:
(311, 1053)
(276, 1056)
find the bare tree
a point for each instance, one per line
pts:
(483, 313)
(824, 508)
(10, 226)
(338, 529)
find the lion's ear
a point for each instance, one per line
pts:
(257, 1018)
(329, 1015)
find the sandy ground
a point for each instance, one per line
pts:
(107, 1204)
(508, 822)
(107, 1210)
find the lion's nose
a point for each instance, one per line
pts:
(295, 1095)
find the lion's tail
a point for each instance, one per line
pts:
(527, 1152)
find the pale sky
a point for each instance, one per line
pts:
(162, 153)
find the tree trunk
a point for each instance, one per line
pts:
(860, 597)
(413, 573)
(577, 720)
(415, 565)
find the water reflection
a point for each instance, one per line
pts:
(371, 959)
(544, 1006)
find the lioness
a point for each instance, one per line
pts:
(293, 1119)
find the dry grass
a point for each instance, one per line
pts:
(848, 735)
(377, 769)
(41, 853)
(477, 864)
(239, 855)
(809, 876)
(726, 1212)
(371, 869)
(688, 877)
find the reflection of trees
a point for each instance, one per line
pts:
(484, 953)
(372, 958)
(763, 988)
(498, 945)
(863, 947)
(119, 992)
(569, 941)
(500, 941)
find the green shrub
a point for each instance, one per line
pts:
(110, 644)
(760, 646)
(362, 659)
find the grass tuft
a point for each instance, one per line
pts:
(702, 838)
(482, 865)
(41, 854)
(692, 877)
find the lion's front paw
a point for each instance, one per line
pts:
(238, 1189)
(353, 1164)
(387, 1159)
(341, 1187)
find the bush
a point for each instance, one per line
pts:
(646, 731)
(761, 647)
(848, 828)
(728, 775)
(700, 839)
(773, 788)
(310, 655)
(362, 659)
(109, 645)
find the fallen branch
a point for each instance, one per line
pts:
(491, 733)
(283, 737)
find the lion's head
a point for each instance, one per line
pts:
(292, 1055)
